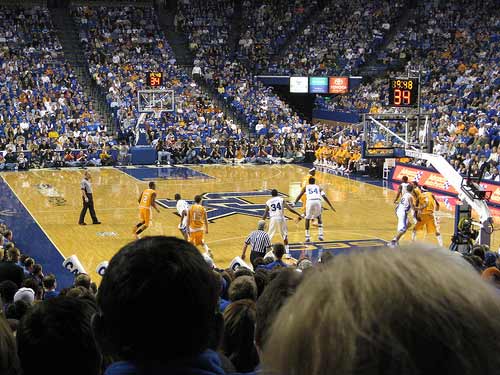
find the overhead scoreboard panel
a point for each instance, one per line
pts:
(403, 92)
(299, 85)
(318, 85)
(155, 79)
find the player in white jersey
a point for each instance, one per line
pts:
(182, 209)
(402, 188)
(275, 207)
(402, 212)
(314, 194)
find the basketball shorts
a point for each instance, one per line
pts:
(277, 224)
(145, 215)
(197, 238)
(402, 220)
(183, 225)
(428, 222)
(313, 209)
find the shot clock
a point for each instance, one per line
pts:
(403, 92)
(155, 79)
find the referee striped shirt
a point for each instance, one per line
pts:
(259, 240)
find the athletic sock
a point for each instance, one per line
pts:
(287, 249)
(413, 236)
(139, 231)
(440, 240)
(320, 230)
(205, 246)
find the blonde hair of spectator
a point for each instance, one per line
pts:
(412, 310)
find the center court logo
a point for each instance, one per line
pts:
(54, 196)
(219, 205)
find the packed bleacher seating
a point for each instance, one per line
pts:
(276, 315)
(460, 79)
(257, 105)
(121, 45)
(43, 106)
(340, 38)
(268, 26)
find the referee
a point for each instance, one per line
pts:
(260, 242)
(88, 200)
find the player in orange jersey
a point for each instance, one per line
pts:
(428, 204)
(146, 201)
(198, 224)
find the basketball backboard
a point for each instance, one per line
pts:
(156, 101)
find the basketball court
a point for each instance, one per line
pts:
(44, 205)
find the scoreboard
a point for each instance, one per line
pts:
(155, 79)
(403, 92)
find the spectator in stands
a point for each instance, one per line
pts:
(9, 361)
(25, 294)
(28, 266)
(238, 340)
(161, 149)
(10, 270)
(10, 160)
(82, 280)
(243, 287)
(348, 315)
(8, 289)
(139, 273)
(273, 298)
(278, 251)
(60, 325)
(49, 287)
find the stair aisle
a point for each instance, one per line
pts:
(74, 55)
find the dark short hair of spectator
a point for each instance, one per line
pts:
(82, 293)
(82, 279)
(9, 361)
(140, 274)
(29, 262)
(259, 261)
(23, 257)
(13, 253)
(7, 290)
(93, 288)
(261, 278)
(478, 251)
(272, 299)
(17, 310)
(63, 326)
(279, 250)
(242, 271)
(49, 281)
(243, 287)
(33, 284)
(238, 341)
(37, 268)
